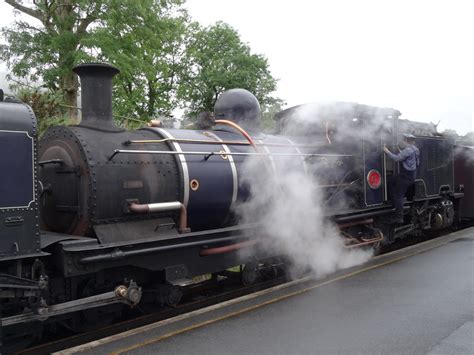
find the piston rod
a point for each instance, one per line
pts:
(130, 295)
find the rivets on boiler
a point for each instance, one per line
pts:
(194, 184)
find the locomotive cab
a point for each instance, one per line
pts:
(356, 130)
(19, 225)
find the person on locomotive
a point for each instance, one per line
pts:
(409, 157)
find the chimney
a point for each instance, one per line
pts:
(96, 94)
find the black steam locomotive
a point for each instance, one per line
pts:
(96, 216)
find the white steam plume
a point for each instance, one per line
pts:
(465, 153)
(288, 205)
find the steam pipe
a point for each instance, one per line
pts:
(240, 129)
(226, 249)
(164, 207)
(119, 254)
(355, 223)
(366, 241)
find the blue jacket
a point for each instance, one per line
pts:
(409, 156)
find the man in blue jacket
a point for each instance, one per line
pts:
(409, 157)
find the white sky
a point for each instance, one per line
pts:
(416, 56)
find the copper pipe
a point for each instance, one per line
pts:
(349, 237)
(226, 249)
(266, 163)
(355, 223)
(240, 129)
(185, 140)
(367, 242)
(164, 207)
(183, 220)
(139, 208)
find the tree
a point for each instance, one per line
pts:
(69, 32)
(217, 60)
(166, 61)
(268, 113)
(50, 49)
(147, 48)
(46, 106)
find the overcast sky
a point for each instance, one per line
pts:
(416, 56)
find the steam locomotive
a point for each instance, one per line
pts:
(94, 216)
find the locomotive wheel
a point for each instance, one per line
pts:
(250, 273)
(169, 295)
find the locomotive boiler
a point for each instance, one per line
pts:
(101, 180)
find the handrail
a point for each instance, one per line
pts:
(203, 141)
(209, 154)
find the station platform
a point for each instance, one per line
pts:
(419, 300)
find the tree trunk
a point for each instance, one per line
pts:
(70, 88)
(69, 82)
(151, 100)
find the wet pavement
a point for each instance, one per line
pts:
(402, 304)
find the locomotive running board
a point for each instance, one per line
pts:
(130, 295)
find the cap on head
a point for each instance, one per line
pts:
(239, 106)
(409, 136)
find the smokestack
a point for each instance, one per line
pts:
(96, 94)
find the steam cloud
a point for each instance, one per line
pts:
(288, 204)
(465, 153)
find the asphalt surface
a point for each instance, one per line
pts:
(422, 304)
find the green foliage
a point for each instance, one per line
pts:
(51, 47)
(47, 105)
(147, 48)
(217, 60)
(166, 61)
(268, 112)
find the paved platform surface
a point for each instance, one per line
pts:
(416, 301)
